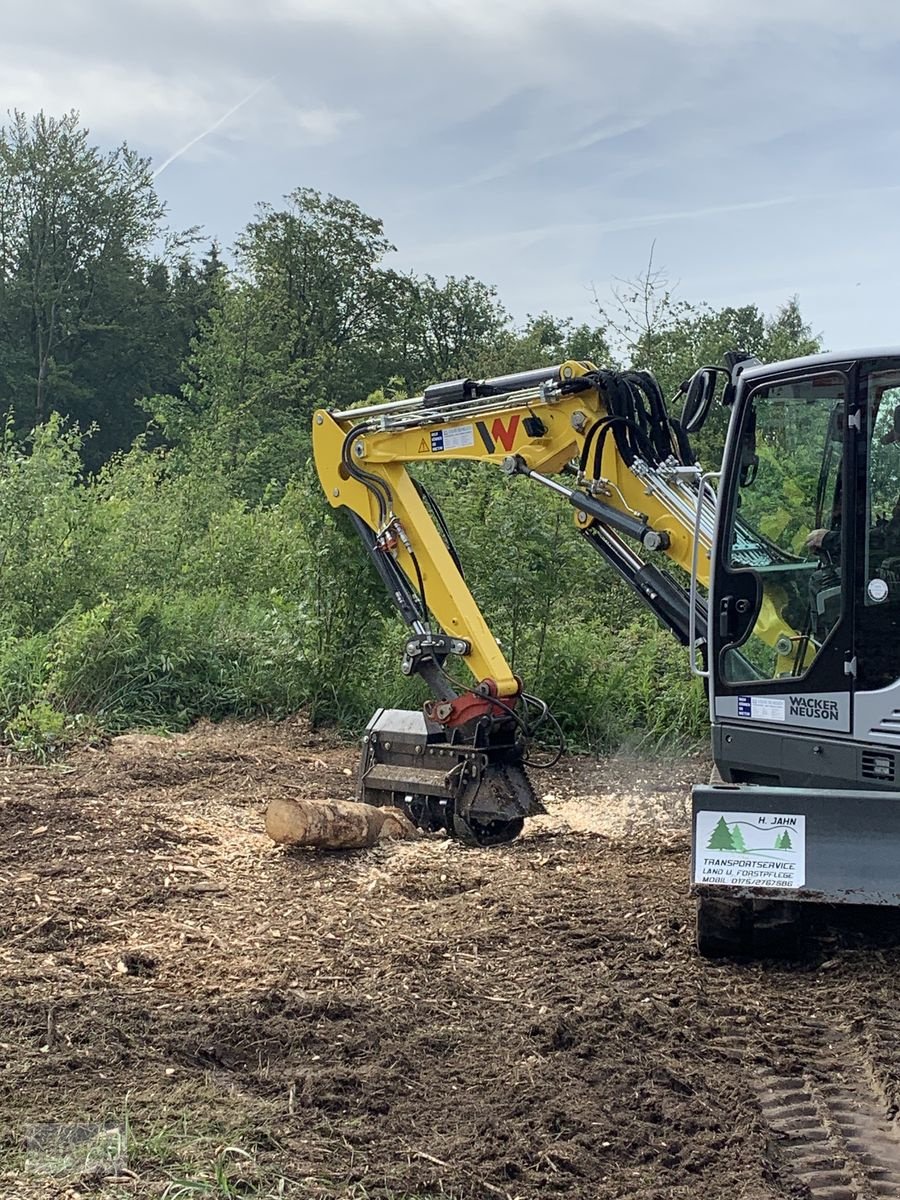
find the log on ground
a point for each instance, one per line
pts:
(334, 824)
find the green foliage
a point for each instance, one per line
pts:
(543, 341)
(91, 317)
(150, 595)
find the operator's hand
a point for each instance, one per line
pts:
(815, 539)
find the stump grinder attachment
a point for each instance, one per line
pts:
(473, 786)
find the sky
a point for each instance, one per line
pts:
(540, 145)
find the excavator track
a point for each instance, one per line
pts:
(825, 1099)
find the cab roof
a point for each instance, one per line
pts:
(811, 361)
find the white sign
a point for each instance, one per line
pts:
(459, 438)
(761, 708)
(752, 850)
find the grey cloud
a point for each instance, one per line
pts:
(540, 145)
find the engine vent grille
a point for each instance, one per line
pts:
(887, 729)
(878, 765)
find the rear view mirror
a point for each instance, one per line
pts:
(699, 392)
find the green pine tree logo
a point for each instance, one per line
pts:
(737, 839)
(784, 842)
(721, 838)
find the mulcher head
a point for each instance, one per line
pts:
(470, 783)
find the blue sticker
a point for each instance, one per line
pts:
(437, 441)
(744, 706)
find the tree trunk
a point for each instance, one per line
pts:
(334, 824)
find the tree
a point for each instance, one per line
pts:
(301, 325)
(737, 839)
(642, 313)
(721, 838)
(784, 842)
(74, 224)
(544, 340)
(314, 302)
(441, 330)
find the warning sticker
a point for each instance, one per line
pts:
(761, 708)
(750, 849)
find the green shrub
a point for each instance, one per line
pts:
(154, 594)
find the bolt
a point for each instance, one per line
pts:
(579, 420)
(581, 518)
(387, 745)
(335, 491)
(567, 372)
(319, 418)
(359, 448)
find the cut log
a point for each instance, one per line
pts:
(334, 824)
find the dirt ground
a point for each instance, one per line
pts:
(186, 1009)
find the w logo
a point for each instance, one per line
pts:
(505, 434)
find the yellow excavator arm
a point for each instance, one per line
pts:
(605, 443)
(538, 429)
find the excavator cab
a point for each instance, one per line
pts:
(803, 648)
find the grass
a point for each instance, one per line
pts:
(178, 1158)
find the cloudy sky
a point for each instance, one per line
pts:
(541, 145)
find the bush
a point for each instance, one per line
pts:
(154, 594)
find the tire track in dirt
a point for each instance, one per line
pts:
(833, 1123)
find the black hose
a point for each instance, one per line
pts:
(441, 523)
(376, 485)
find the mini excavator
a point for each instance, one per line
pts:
(780, 572)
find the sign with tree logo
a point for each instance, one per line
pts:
(750, 849)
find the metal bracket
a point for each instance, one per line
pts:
(431, 647)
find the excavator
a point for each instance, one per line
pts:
(779, 571)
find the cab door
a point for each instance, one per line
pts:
(781, 604)
(877, 583)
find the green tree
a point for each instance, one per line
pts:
(737, 839)
(721, 838)
(312, 305)
(544, 340)
(75, 224)
(440, 330)
(301, 324)
(784, 842)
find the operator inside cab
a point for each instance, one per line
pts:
(884, 535)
